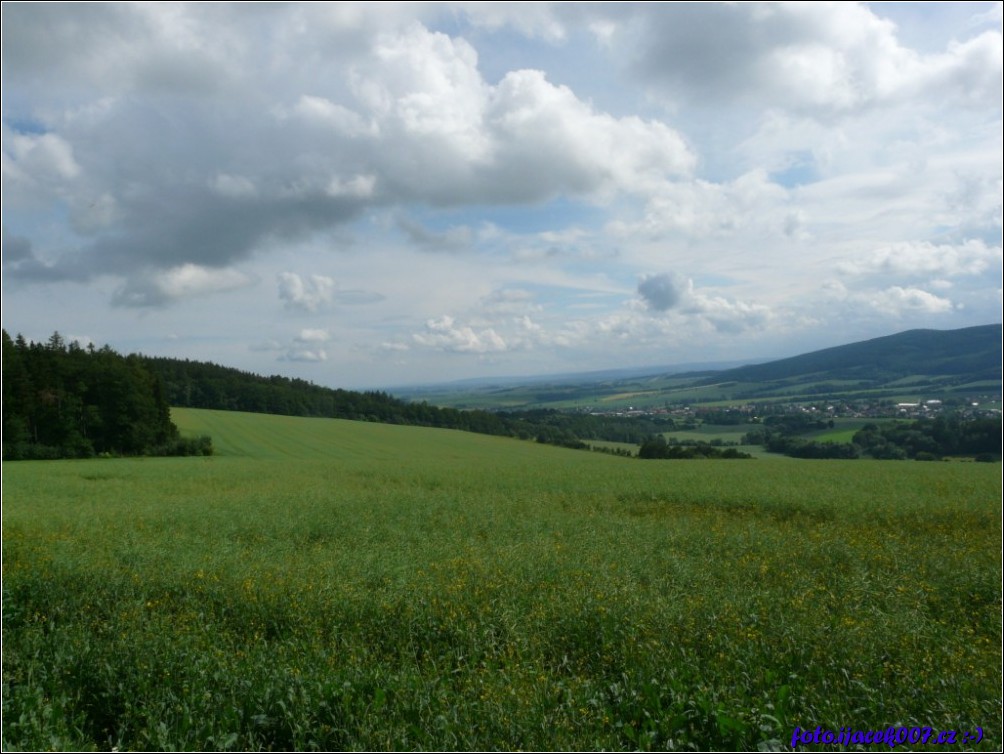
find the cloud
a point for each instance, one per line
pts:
(266, 346)
(233, 186)
(898, 301)
(332, 116)
(313, 336)
(306, 355)
(669, 308)
(662, 292)
(443, 334)
(925, 259)
(975, 203)
(456, 238)
(357, 186)
(20, 261)
(534, 20)
(157, 153)
(316, 293)
(994, 16)
(730, 316)
(669, 293)
(698, 209)
(434, 129)
(412, 119)
(16, 249)
(162, 288)
(184, 224)
(310, 295)
(504, 321)
(355, 297)
(304, 347)
(812, 58)
(894, 301)
(176, 49)
(173, 225)
(550, 141)
(37, 167)
(46, 156)
(509, 301)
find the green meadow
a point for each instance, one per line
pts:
(324, 584)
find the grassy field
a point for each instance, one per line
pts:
(322, 584)
(843, 431)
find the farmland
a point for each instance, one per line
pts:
(326, 584)
(957, 366)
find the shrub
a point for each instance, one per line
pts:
(186, 446)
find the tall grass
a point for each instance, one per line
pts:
(334, 585)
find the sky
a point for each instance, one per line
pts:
(372, 195)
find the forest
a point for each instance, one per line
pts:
(193, 384)
(61, 400)
(932, 439)
(923, 439)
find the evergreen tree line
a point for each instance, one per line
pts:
(799, 447)
(64, 401)
(61, 400)
(193, 384)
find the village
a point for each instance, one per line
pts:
(969, 407)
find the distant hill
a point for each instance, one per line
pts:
(416, 392)
(972, 352)
(945, 364)
(64, 400)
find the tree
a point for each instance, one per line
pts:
(65, 401)
(654, 447)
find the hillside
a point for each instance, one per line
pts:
(973, 353)
(287, 438)
(952, 365)
(64, 400)
(193, 384)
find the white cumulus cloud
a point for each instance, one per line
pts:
(305, 354)
(898, 301)
(184, 281)
(444, 334)
(311, 294)
(313, 335)
(923, 258)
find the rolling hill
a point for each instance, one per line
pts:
(271, 437)
(973, 353)
(917, 364)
